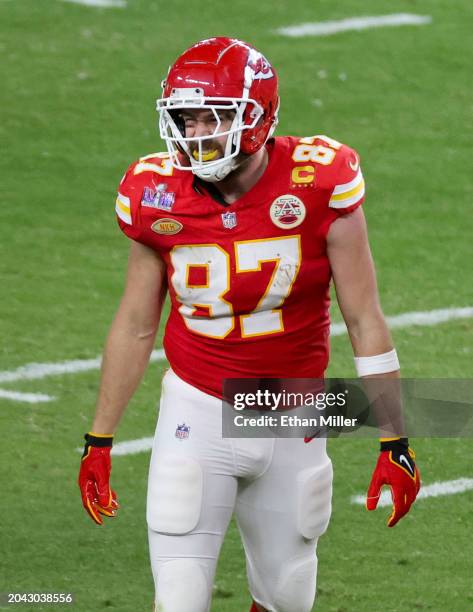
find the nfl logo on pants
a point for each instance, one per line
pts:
(182, 431)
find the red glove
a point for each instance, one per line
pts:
(396, 468)
(94, 477)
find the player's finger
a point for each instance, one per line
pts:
(106, 511)
(114, 501)
(88, 500)
(374, 491)
(93, 512)
(104, 497)
(413, 488)
(401, 505)
(111, 509)
(412, 494)
(104, 492)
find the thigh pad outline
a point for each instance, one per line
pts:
(175, 491)
(296, 585)
(182, 585)
(314, 500)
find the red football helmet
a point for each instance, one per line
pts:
(219, 74)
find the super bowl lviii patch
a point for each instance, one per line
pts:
(158, 198)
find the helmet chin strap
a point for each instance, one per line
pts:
(217, 172)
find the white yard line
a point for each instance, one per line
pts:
(29, 398)
(327, 28)
(36, 371)
(423, 318)
(132, 447)
(436, 489)
(100, 3)
(429, 318)
(129, 447)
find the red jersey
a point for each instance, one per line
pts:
(249, 281)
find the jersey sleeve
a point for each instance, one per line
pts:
(348, 184)
(127, 205)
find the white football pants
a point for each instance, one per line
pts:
(280, 490)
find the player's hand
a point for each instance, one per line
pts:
(396, 468)
(94, 477)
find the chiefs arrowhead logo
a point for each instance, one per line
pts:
(260, 65)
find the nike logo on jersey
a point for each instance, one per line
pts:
(354, 166)
(403, 459)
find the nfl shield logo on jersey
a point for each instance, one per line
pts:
(182, 431)
(229, 220)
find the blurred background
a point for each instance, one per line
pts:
(78, 89)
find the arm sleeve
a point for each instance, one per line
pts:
(349, 188)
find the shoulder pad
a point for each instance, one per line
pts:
(337, 170)
(131, 186)
(341, 175)
(348, 183)
(157, 163)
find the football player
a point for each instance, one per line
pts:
(245, 232)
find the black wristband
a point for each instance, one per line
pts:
(99, 441)
(401, 445)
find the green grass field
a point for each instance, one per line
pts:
(77, 97)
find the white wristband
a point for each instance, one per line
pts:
(377, 364)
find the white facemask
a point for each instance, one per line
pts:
(176, 142)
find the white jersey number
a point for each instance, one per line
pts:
(214, 265)
(306, 151)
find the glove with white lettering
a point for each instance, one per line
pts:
(94, 477)
(396, 468)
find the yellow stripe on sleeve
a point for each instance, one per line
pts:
(123, 208)
(349, 194)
